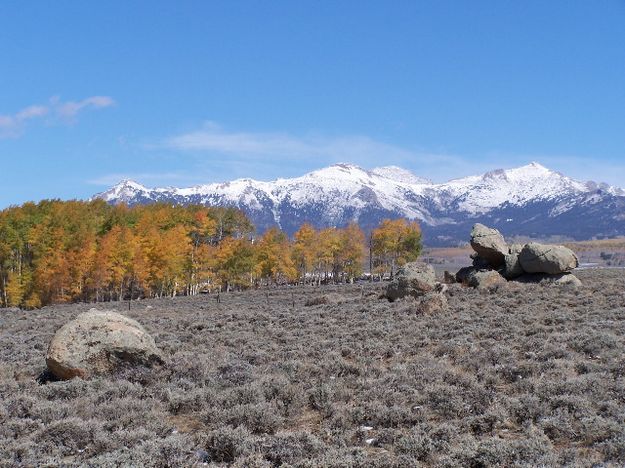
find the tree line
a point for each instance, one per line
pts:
(74, 251)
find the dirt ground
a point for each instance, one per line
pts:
(523, 375)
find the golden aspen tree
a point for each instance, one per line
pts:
(327, 258)
(14, 290)
(305, 247)
(273, 257)
(234, 263)
(395, 242)
(201, 231)
(352, 251)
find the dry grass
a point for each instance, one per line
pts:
(612, 245)
(525, 375)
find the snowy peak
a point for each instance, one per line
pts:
(124, 191)
(341, 193)
(399, 174)
(518, 186)
(341, 171)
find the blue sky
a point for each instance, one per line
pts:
(187, 92)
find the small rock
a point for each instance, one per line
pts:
(330, 298)
(432, 303)
(485, 279)
(449, 278)
(567, 279)
(562, 279)
(202, 455)
(464, 273)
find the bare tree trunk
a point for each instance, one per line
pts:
(4, 291)
(371, 257)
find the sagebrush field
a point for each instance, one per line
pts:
(523, 375)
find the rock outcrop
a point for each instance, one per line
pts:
(413, 279)
(97, 342)
(494, 261)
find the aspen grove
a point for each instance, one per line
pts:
(75, 251)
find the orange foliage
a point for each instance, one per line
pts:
(58, 251)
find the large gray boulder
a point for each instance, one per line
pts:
(512, 265)
(550, 259)
(489, 244)
(413, 279)
(97, 342)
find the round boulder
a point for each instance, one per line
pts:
(489, 244)
(413, 279)
(550, 259)
(97, 342)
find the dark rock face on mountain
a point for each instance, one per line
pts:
(530, 201)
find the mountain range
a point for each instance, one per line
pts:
(529, 201)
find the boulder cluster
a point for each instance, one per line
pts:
(495, 262)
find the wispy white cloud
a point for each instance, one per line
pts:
(70, 109)
(218, 144)
(13, 125)
(213, 153)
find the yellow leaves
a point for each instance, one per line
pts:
(273, 257)
(305, 248)
(395, 242)
(352, 251)
(203, 225)
(14, 290)
(329, 253)
(57, 251)
(234, 262)
(67, 251)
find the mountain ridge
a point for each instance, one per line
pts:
(530, 200)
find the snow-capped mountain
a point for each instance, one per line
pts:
(526, 201)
